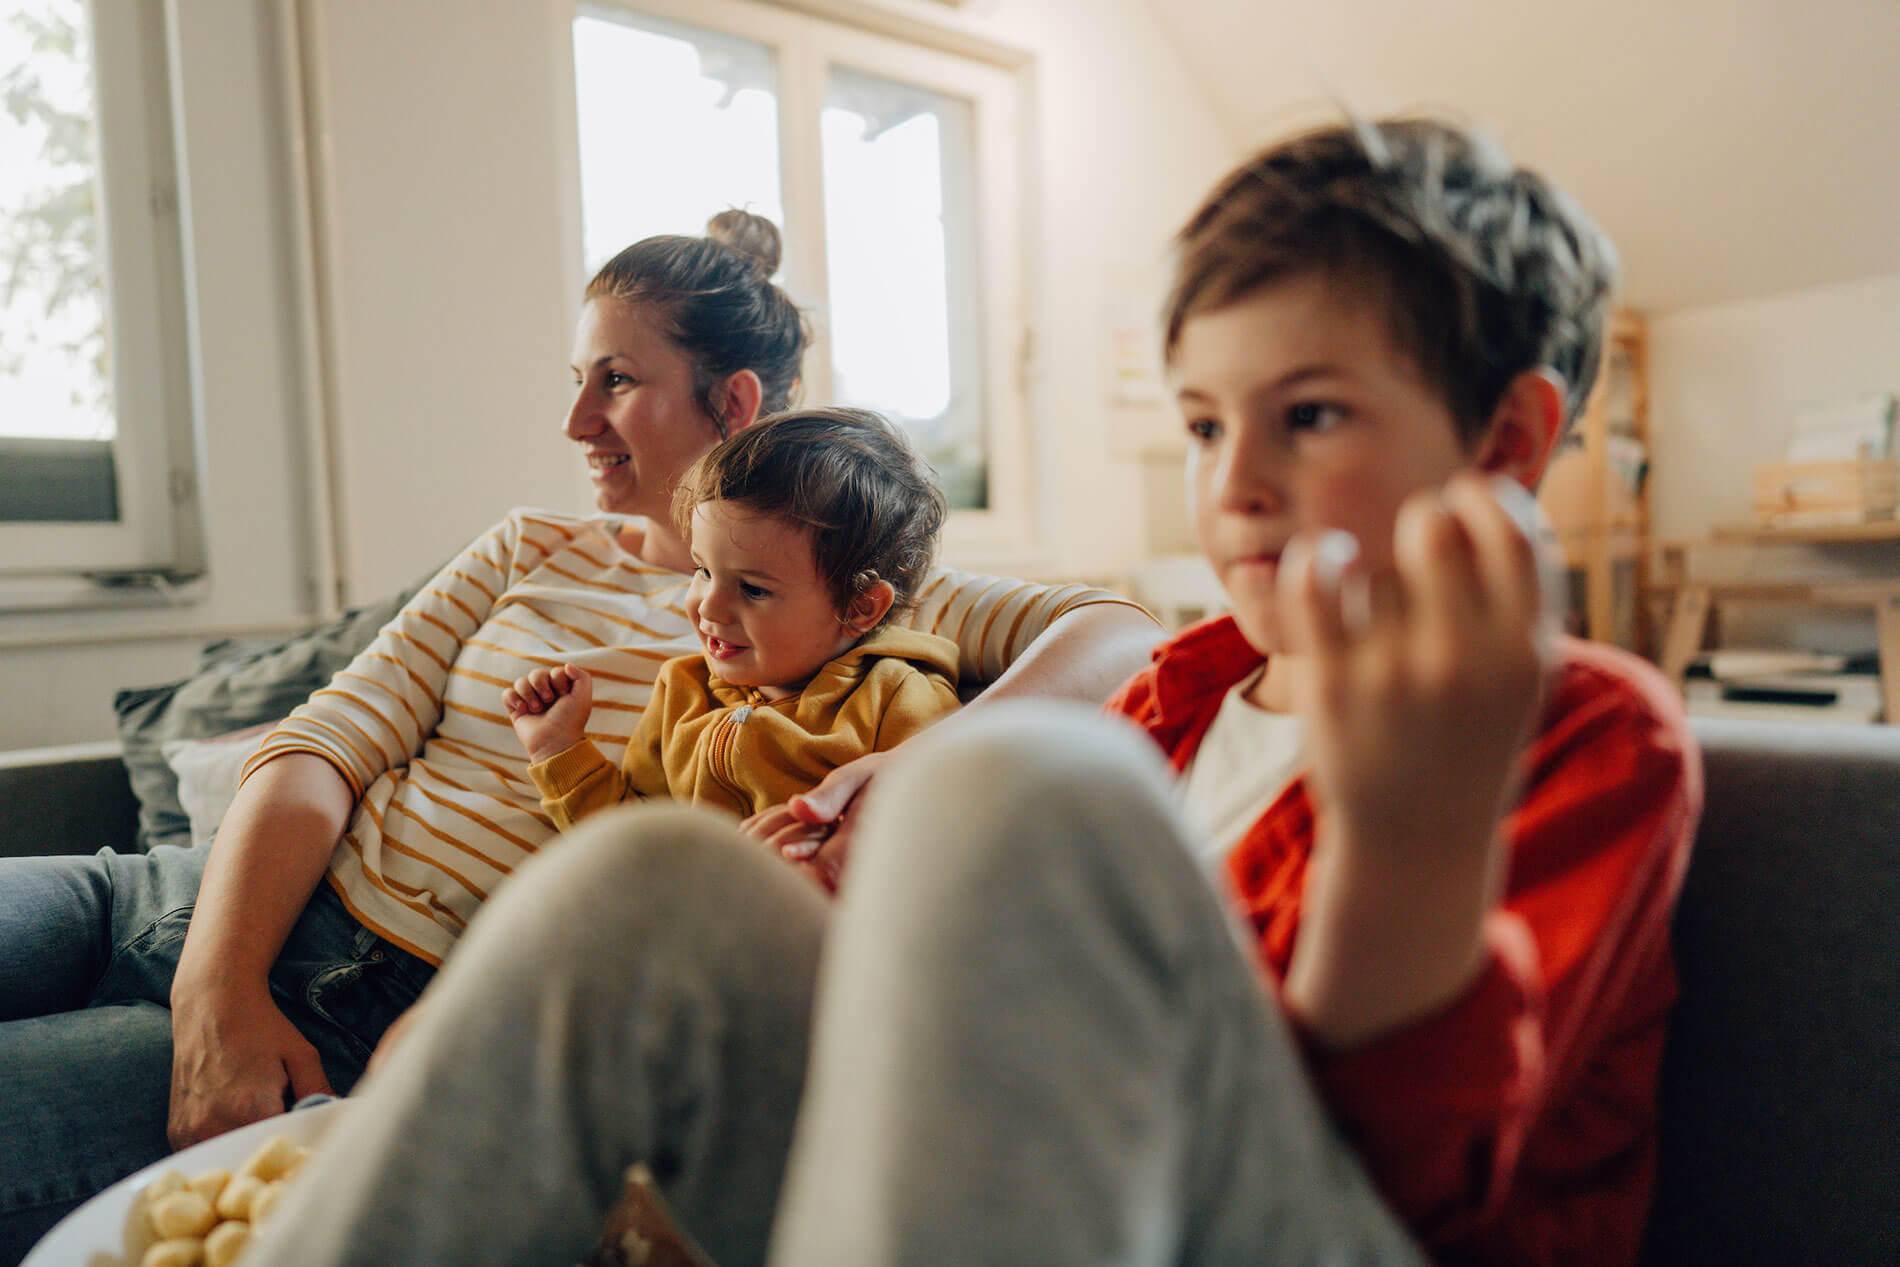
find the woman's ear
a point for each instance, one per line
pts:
(739, 399)
(1525, 427)
(869, 607)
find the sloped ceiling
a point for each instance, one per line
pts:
(1733, 150)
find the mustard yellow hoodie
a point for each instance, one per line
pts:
(705, 741)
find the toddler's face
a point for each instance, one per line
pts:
(763, 613)
(1301, 413)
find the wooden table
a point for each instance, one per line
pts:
(1692, 602)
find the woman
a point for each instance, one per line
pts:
(375, 821)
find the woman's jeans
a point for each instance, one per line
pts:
(88, 947)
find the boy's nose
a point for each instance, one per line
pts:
(1248, 477)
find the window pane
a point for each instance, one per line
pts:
(901, 262)
(55, 379)
(677, 123)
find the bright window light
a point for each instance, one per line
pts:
(55, 374)
(676, 125)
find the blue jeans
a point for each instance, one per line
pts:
(88, 946)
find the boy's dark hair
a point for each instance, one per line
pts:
(849, 476)
(716, 296)
(1485, 270)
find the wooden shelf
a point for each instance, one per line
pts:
(1809, 534)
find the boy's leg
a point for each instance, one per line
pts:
(1040, 1039)
(640, 991)
(85, 1043)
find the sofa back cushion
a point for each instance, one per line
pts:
(1781, 1087)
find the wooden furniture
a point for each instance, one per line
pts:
(1596, 492)
(1692, 600)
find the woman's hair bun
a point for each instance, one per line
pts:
(748, 234)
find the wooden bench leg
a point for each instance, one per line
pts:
(1688, 624)
(1887, 627)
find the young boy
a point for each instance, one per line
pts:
(1457, 840)
(807, 535)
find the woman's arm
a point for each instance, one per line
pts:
(1083, 655)
(235, 1057)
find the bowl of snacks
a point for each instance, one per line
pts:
(197, 1206)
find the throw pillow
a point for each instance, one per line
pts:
(235, 688)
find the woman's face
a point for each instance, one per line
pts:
(635, 415)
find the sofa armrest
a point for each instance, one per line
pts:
(75, 799)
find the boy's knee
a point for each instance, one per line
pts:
(1025, 757)
(631, 873)
(982, 797)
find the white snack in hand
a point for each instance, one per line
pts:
(184, 1251)
(226, 1242)
(182, 1214)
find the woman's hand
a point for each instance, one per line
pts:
(236, 1059)
(812, 831)
(549, 709)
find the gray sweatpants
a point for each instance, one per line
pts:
(1038, 1040)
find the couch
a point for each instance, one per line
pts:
(1781, 1090)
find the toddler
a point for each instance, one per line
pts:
(808, 533)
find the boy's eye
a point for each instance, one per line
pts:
(615, 379)
(1313, 415)
(701, 573)
(753, 591)
(1203, 430)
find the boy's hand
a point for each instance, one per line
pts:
(549, 709)
(1422, 681)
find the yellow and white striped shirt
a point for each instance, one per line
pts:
(445, 809)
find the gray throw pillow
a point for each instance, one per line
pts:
(238, 684)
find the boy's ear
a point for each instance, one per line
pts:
(1524, 428)
(869, 607)
(739, 399)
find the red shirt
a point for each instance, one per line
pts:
(1517, 1123)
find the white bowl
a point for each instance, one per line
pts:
(102, 1233)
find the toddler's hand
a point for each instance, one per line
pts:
(549, 709)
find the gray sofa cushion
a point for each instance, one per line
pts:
(1781, 1087)
(237, 685)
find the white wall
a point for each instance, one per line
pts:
(1727, 384)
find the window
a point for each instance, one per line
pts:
(891, 170)
(96, 472)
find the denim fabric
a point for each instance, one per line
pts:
(88, 947)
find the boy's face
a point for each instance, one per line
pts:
(763, 613)
(1301, 413)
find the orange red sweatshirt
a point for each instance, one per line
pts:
(1516, 1124)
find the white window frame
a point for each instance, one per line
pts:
(158, 541)
(995, 83)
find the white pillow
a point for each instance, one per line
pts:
(207, 771)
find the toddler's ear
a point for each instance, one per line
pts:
(1524, 428)
(869, 607)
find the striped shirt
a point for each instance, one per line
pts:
(445, 808)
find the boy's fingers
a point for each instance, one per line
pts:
(1312, 576)
(1437, 563)
(1511, 535)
